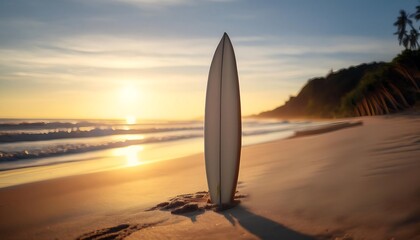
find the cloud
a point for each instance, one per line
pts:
(262, 59)
(270, 68)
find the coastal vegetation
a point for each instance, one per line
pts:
(390, 88)
(366, 89)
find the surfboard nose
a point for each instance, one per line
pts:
(225, 35)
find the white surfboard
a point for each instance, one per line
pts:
(222, 125)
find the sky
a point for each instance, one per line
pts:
(149, 59)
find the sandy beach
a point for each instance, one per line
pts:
(359, 182)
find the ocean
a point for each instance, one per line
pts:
(40, 149)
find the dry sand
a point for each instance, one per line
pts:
(361, 182)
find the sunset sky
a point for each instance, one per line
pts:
(150, 59)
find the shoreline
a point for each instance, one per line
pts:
(83, 160)
(314, 187)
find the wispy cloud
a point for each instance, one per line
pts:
(263, 62)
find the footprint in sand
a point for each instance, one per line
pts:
(179, 205)
(194, 202)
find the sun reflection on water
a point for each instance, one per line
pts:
(131, 154)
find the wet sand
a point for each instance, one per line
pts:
(359, 182)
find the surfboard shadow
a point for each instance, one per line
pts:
(261, 227)
(193, 215)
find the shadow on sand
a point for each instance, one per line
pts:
(193, 216)
(261, 227)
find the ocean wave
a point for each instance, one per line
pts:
(61, 149)
(46, 125)
(97, 132)
(67, 130)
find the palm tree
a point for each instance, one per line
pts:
(417, 13)
(401, 25)
(412, 39)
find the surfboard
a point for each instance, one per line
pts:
(222, 125)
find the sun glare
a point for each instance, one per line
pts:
(128, 94)
(130, 119)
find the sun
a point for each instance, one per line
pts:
(129, 94)
(130, 119)
(129, 102)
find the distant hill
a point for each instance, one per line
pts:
(366, 89)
